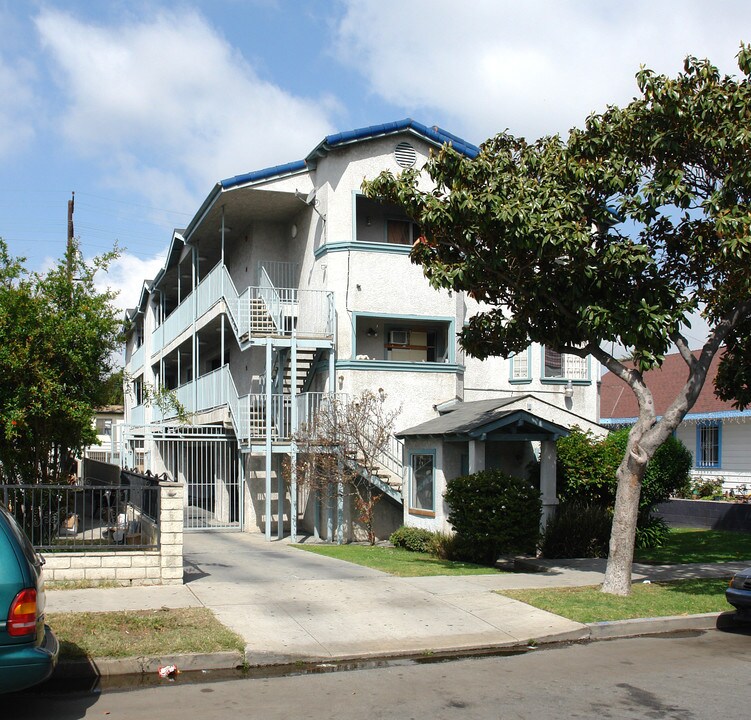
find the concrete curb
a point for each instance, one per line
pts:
(106, 667)
(591, 632)
(655, 626)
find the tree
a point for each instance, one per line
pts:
(341, 452)
(57, 338)
(615, 235)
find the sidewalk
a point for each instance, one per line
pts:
(291, 606)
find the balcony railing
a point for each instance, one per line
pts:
(136, 359)
(256, 311)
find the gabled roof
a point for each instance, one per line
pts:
(435, 135)
(487, 419)
(618, 403)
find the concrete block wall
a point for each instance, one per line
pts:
(162, 566)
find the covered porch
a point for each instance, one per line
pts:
(507, 434)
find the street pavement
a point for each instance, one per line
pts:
(292, 606)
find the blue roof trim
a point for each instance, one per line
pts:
(265, 174)
(719, 415)
(434, 133)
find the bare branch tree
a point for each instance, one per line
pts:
(341, 452)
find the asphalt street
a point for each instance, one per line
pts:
(696, 676)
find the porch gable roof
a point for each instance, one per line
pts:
(487, 420)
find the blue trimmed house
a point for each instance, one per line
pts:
(718, 436)
(288, 285)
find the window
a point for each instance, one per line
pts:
(401, 232)
(394, 339)
(709, 445)
(562, 366)
(422, 491)
(411, 345)
(520, 367)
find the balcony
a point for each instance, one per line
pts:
(260, 311)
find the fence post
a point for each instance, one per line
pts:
(171, 513)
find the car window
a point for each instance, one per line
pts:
(23, 541)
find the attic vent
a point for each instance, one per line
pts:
(405, 155)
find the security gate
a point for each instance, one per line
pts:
(207, 460)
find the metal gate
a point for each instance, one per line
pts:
(207, 460)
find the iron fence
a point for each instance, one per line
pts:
(86, 516)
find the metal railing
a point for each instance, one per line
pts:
(262, 310)
(280, 273)
(88, 516)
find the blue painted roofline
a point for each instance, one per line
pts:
(265, 174)
(719, 415)
(434, 133)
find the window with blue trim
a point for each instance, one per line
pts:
(422, 490)
(521, 367)
(402, 340)
(562, 366)
(709, 445)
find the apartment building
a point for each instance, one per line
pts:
(289, 285)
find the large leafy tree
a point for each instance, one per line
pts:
(58, 334)
(615, 235)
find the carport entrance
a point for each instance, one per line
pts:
(206, 459)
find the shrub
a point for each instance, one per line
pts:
(578, 529)
(493, 513)
(651, 532)
(413, 538)
(444, 546)
(587, 468)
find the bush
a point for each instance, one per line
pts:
(444, 546)
(493, 513)
(587, 468)
(413, 538)
(651, 532)
(578, 529)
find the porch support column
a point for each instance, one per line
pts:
(293, 454)
(476, 456)
(267, 527)
(547, 481)
(332, 371)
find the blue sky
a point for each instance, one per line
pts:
(141, 106)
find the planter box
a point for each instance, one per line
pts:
(710, 514)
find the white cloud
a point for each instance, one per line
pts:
(126, 276)
(169, 107)
(532, 67)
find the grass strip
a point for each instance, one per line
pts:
(657, 599)
(141, 633)
(397, 561)
(691, 545)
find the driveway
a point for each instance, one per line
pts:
(292, 605)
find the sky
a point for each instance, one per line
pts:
(141, 106)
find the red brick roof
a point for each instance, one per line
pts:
(618, 401)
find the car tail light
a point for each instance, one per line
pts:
(22, 618)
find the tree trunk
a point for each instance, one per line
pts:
(622, 536)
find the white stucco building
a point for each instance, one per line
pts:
(288, 284)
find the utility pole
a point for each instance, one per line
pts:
(69, 248)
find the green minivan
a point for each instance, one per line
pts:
(28, 648)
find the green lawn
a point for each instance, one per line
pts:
(689, 545)
(397, 561)
(588, 604)
(145, 632)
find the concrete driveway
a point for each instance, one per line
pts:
(291, 605)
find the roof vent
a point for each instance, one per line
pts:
(405, 155)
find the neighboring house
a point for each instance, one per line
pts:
(108, 421)
(286, 286)
(718, 436)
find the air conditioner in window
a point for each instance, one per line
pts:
(399, 337)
